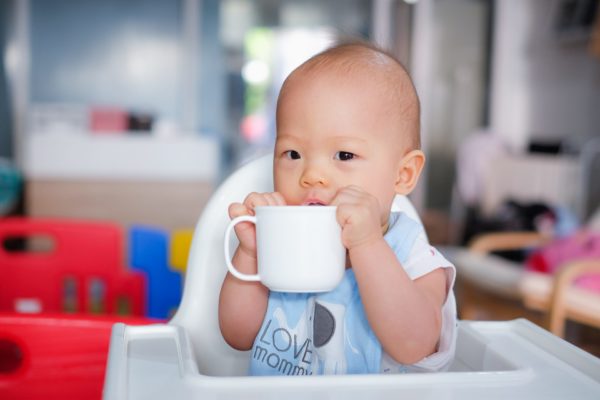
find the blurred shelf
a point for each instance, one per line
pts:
(126, 178)
(87, 156)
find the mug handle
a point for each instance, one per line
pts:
(230, 267)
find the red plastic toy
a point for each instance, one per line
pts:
(82, 272)
(55, 356)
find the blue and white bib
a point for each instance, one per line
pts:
(325, 333)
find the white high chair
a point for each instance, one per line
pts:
(188, 357)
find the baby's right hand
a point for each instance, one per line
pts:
(246, 231)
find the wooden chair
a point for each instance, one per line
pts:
(488, 286)
(499, 241)
(555, 295)
(564, 300)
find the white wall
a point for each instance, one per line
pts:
(448, 67)
(542, 87)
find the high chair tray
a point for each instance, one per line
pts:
(494, 360)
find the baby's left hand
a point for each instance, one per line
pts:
(359, 215)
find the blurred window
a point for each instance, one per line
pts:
(208, 66)
(263, 41)
(110, 53)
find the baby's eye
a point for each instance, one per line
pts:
(292, 154)
(344, 155)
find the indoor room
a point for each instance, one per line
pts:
(128, 129)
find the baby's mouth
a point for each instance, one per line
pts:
(314, 203)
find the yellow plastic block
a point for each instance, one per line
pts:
(181, 241)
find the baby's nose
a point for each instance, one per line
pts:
(313, 176)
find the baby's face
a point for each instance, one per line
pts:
(333, 132)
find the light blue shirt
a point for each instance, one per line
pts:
(325, 333)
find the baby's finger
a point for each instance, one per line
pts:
(280, 201)
(275, 199)
(270, 199)
(254, 200)
(346, 196)
(344, 213)
(354, 191)
(237, 209)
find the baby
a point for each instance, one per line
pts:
(347, 136)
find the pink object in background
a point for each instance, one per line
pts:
(590, 282)
(108, 120)
(584, 244)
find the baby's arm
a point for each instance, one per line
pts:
(404, 314)
(242, 305)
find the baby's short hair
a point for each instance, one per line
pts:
(354, 56)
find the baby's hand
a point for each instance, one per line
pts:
(359, 215)
(246, 231)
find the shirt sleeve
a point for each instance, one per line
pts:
(424, 258)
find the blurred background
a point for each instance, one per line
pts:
(105, 103)
(134, 111)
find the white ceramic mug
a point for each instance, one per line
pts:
(299, 248)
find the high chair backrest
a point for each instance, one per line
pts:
(198, 312)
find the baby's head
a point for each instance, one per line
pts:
(347, 116)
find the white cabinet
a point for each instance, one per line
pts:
(122, 177)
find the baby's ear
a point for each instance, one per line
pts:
(409, 171)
